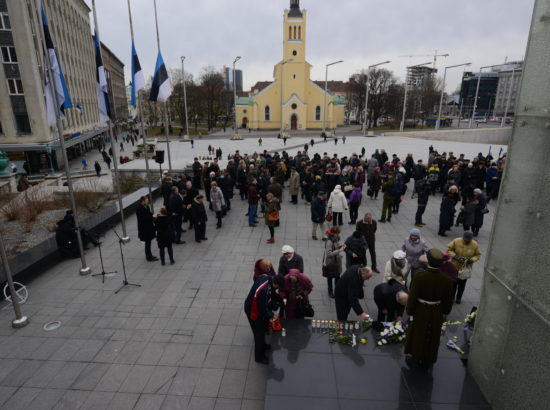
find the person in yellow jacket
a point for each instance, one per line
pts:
(464, 252)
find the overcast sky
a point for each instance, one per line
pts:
(360, 32)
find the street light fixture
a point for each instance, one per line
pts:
(443, 91)
(402, 127)
(477, 92)
(289, 60)
(235, 94)
(325, 97)
(186, 136)
(367, 83)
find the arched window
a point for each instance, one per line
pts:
(267, 113)
(294, 32)
(290, 32)
(318, 113)
(299, 32)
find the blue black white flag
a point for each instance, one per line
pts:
(79, 108)
(500, 152)
(102, 87)
(138, 79)
(59, 95)
(161, 88)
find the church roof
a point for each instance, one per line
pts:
(295, 9)
(334, 86)
(260, 85)
(339, 100)
(244, 100)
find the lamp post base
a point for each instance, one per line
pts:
(185, 138)
(237, 137)
(85, 271)
(19, 323)
(125, 239)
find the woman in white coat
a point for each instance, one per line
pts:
(337, 205)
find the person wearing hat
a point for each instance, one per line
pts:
(348, 291)
(414, 246)
(199, 218)
(390, 298)
(289, 260)
(318, 211)
(356, 250)
(387, 189)
(258, 311)
(368, 226)
(294, 183)
(397, 268)
(480, 211)
(464, 252)
(430, 298)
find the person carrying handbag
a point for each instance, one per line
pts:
(272, 207)
(332, 259)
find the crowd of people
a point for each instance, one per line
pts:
(418, 280)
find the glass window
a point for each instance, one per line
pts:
(4, 21)
(318, 113)
(267, 114)
(22, 123)
(15, 86)
(9, 55)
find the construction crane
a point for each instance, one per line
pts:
(435, 55)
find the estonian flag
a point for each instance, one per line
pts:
(161, 88)
(138, 79)
(102, 88)
(61, 92)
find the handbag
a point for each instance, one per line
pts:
(328, 218)
(370, 192)
(348, 188)
(273, 216)
(304, 308)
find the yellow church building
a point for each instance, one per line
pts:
(301, 101)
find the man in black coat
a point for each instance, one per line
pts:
(197, 171)
(146, 227)
(423, 189)
(259, 312)
(176, 214)
(318, 212)
(290, 260)
(368, 227)
(166, 190)
(349, 289)
(226, 184)
(356, 250)
(391, 298)
(199, 218)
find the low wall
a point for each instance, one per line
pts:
(39, 258)
(497, 136)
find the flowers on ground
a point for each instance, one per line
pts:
(393, 333)
(470, 319)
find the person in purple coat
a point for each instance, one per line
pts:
(354, 202)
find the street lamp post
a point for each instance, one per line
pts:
(325, 96)
(443, 91)
(367, 83)
(477, 92)
(184, 97)
(289, 60)
(402, 127)
(235, 93)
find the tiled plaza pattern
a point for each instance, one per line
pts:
(181, 341)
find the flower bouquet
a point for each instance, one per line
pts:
(345, 339)
(470, 319)
(393, 332)
(366, 325)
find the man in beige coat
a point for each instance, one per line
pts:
(294, 185)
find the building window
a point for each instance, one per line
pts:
(294, 106)
(4, 22)
(290, 32)
(299, 32)
(9, 55)
(294, 32)
(267, 113)
(15, 86)
(294, 53)
(318, 113)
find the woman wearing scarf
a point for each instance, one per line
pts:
(332, 263)
(397, 268)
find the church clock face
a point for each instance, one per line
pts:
(294, 53)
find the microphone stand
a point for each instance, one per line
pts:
(103, 273)
(125, 281)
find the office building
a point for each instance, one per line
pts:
(228, 79)
(508, 90)
(488, 83)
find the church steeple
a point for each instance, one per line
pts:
(295, 9)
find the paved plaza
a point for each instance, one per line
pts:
(181, 340)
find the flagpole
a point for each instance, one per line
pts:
(125, 237)
(20, 320)
(84, 270)
(166, 102)
(140, 98)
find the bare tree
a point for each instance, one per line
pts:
(212, 85)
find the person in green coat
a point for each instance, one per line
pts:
(272, 206)
(430, 298)
(387, 189)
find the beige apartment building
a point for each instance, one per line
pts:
(24, 131)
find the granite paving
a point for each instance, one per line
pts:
(181, 340)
